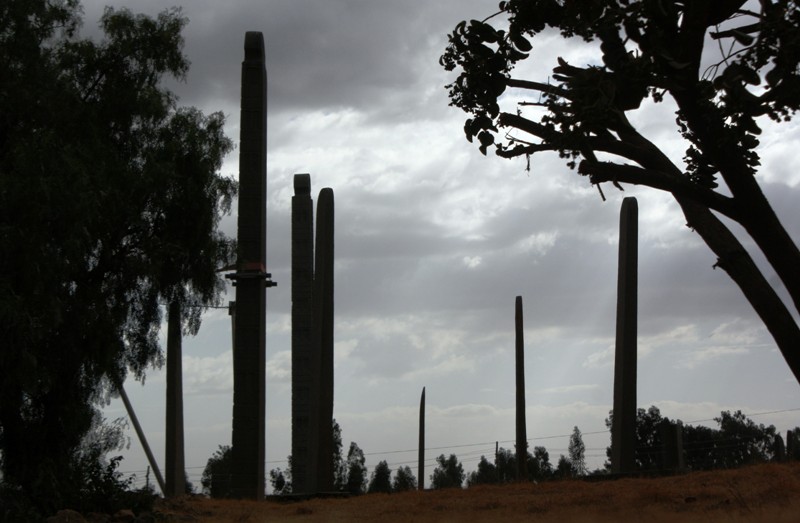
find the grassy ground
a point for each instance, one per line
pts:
(752, 494)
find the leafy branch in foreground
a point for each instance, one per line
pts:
(653, 49)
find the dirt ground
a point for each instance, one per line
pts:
(762, 493)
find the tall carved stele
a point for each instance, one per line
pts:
(305, 357)
(323, 335)
(522, 436)
(251, 280)
(421, 458)
(623, 428)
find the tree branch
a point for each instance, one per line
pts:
(735, 260)
(600, 172)
(525, 125)
(553, 90)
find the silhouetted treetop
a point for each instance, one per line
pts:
(110, 198)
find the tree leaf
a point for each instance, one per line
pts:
(520, 42)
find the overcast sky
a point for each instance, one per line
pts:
(434, 241)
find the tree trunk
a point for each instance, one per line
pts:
(771, 237)
(734, 259)
(755, 213)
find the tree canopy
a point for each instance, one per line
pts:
(486, 473)
(110, 197)
(356, 470)
(738, 441)
(381, 478)
(449, 473)
(216, 479)
(539, 466)
(404, 480)
(577, 452)
(725, 68)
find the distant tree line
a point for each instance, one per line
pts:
(350, 473)
(738, 441)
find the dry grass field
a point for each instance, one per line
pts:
(762, 493)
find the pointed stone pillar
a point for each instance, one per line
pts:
(623, 428)
(421, 458)
(175, 471)
(305, 357)
(251, 280)
(522, 433)
(323, 334)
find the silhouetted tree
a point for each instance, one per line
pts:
(281, 480)
(404, 480)
(699, 443)
(356, 470)
(564, 468)
(216, 478)
(110, 199)
(449, 473)
(486, 473)
(738, 441)
(539, 466)
(653, 49)
(506, 465)
(577, 452)
(649, 440)
(339, 465)
(381, 478)
(99, 484)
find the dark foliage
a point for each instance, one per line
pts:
(109, 202)
(449, 473)
(356, 470)
(381, 479)
(404, 480)
(738, 441)
(216, 479)
(539, 466)
(577, 451)
(339, 466)
(486, 474)
(281, 480)
(95, 483)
